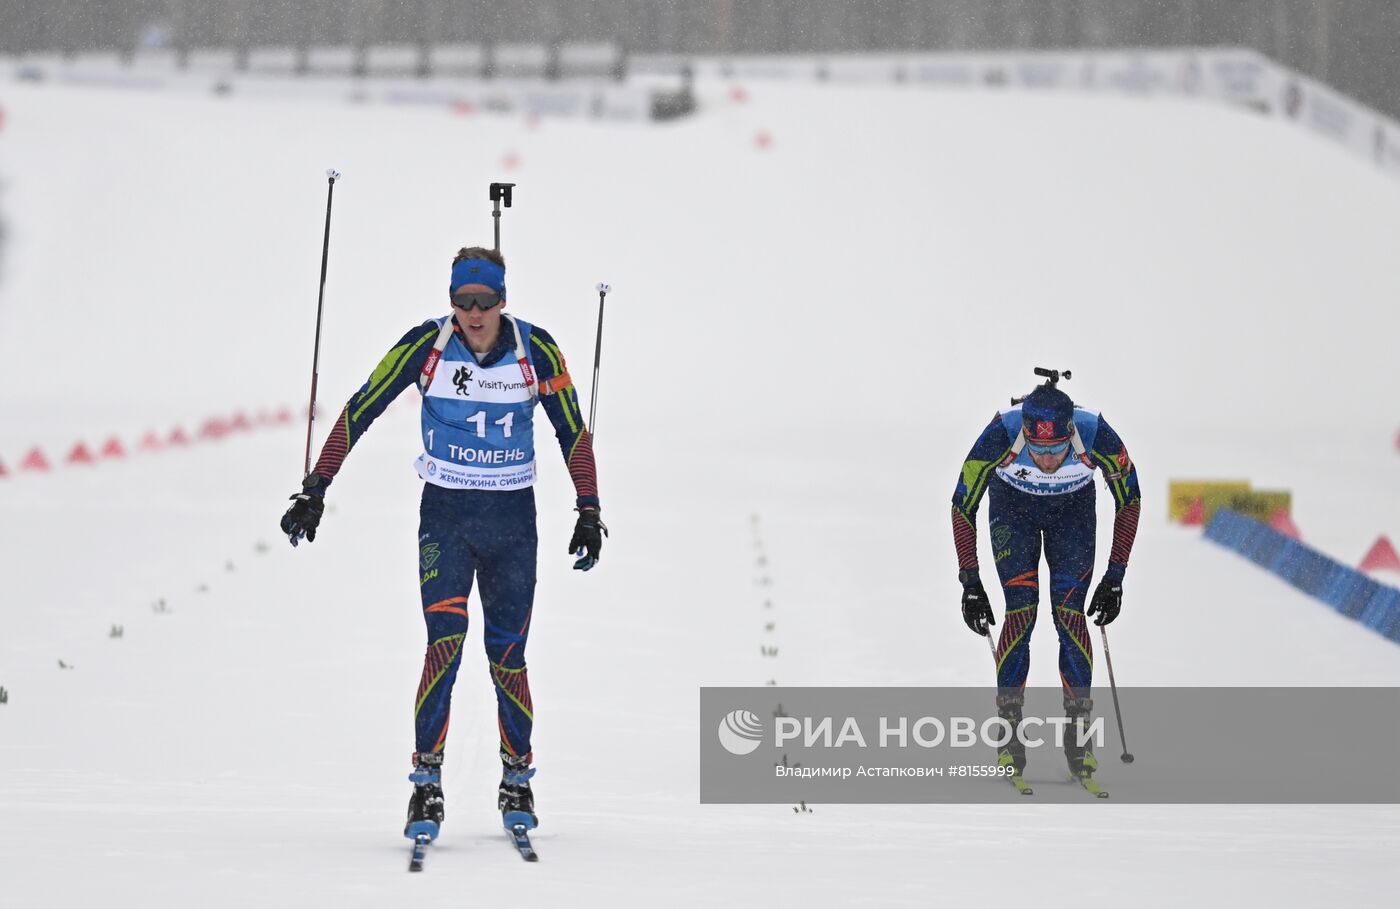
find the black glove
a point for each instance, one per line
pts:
(1108, 599)
(301, 519)
(587, 541)
(976, 608)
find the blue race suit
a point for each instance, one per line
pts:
(1031, 508)
(477, 515)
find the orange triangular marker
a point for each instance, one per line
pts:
(1282, 521)
(178, 437)
(113, 448)
(35, 460)
(1381, 555)
(240, 422)
(80, 455)
(150, 441)
(1195, 513)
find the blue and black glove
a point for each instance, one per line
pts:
(304, 515)
(587, 541)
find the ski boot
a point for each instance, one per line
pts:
(425, 807)
(1080, 757)
(516, 801)
(1013, 753)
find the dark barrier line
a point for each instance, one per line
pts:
(1345, 589)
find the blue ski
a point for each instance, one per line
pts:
(420, 849)
(521, 835)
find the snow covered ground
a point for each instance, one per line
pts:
(812, 333)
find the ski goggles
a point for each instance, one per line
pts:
(481, 301)
(1053, 448)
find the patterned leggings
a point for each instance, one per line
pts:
(1065, 523)
(490, 537)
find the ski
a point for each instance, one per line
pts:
(420, 849)
(1021, 785)
(521, 835)
(1091, 787)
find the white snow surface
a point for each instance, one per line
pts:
(813, 333)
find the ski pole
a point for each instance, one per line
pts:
(1126, 757)
(500, 192)
(597, 358)
(331, 176)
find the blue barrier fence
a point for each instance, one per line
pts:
(1344, 589)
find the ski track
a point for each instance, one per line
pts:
(813, 334)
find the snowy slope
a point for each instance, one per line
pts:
(812, 333)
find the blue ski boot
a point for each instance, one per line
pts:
(516, 801)
(425, 808)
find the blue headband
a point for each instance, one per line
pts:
(478, 271)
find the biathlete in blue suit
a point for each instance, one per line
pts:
(1038, 459)
(480, 373)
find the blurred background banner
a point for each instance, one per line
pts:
(1344, 44)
